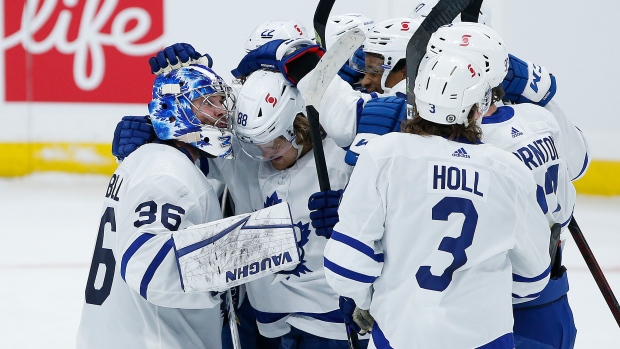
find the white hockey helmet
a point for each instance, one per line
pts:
(266, 109)
(389, 39)
(421, 10)
(338, 25)
(476, 41)
(177, 98)
(272, 30)
(448, 87)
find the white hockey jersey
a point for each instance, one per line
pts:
(533, 135)
(300, 298)
(134, 295)
(342, 106)
(431, 235)
(577, 159)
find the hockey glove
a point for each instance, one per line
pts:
(130, 133)
(353, 70)
(323, 208)
(177, 56)
(294, 58)
(527, 82)
(379, 116)
(347, 307)
(363, 319)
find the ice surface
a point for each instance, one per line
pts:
(49, 224)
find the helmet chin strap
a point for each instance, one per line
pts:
(299, 148)
(384, 77)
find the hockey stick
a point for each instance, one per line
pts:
(318, 81)
(443, 13)
(321, 16)
(320, 20)
(232, 316)
(595, 269)
(322, 75)
(472, 12)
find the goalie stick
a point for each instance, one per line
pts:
(232, 315)
(595, 269)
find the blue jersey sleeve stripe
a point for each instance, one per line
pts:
(193, 247)
(519, 278)
(150, 271)
(267, 318)
(358, 245)
(586, 161)
(533, 295)
(349, 274)
(378, 338)
(133, 248)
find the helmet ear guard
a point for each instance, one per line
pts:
(173, 113)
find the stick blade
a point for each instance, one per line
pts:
(329, 65)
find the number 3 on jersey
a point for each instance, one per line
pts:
(455, 246)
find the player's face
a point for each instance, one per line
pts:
(284, 159)
(210, 110)
(374, 73)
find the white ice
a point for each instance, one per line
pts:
(49, 222)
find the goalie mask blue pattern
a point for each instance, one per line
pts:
(173, 117)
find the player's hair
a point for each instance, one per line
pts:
(422, 127)
(302, 131)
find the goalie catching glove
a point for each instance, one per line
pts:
(294, 58)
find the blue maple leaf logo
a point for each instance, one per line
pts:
(301, 268)
(272, 200)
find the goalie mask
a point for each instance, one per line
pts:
(266, 109)
(448, 87)
(184, 96)
(338, 25)
(476, 41)
(271, 30)
(389, 39)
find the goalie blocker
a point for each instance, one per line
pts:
(229, 252)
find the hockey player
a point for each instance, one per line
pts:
(461, 218)
(138, 300)
(353, 70)
(552, 148)
(296, 305)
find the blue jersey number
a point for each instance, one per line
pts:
(551, 187)
(455, 246)
(103, 256)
